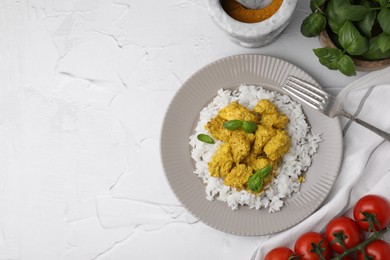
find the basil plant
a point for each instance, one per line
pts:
(359, 29)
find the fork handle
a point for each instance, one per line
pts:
(367, 125)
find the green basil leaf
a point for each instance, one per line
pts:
(249, 126)
(384, 42)
(232, 124)
(205, 138)
(313, 25)
(255, 183)
(264, 172)
(383, 3)
(316, 4)
(335, 21)
(328, 57)
(346, 66)
(351, 39)
(256, 180)
(384, 19)
(367, 23)
(352, 12)
(374, 52)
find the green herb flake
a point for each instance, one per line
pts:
(232, 124)
(205, 138)
(255, 183)
(249, 126)
(256, 180)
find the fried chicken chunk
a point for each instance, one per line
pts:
(240, 144)
(222, 161)
(235, 111)
(278, 145)
(270, 116)
(238, 176)
(216, 129)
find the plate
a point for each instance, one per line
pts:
(182, 116)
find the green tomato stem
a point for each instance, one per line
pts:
(361, 246)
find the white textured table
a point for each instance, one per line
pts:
(83, 89)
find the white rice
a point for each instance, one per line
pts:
(304, 145)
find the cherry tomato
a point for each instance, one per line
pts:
(280, 253)
(303, 246)
(378, 250)
(375, 205)
(350, 231)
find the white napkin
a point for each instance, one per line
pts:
(366, 160)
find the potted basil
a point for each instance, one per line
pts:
(355, 34)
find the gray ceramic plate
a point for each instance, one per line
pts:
(182, 116)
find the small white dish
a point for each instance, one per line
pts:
(253, 35)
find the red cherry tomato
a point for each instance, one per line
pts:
(280, 253)
(350, 230)
(378, 250)
(303, 246)
(375, 205)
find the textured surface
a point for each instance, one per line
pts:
(84, 85)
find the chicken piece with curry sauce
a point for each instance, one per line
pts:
(235, 111)
(241, 145)
(222, 161)
(262, 136)
(216, 129)
(278, 145)
(270, 116)
(257, 163)
(238, 176)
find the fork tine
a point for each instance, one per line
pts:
(298, 86)
(303, 97)
(307, 85)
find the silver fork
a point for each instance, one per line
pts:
(323, 102)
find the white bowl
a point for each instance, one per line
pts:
(253, 34)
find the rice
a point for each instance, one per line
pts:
(304, 145)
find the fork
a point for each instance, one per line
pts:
(318, 99)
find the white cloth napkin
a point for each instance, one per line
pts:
(366, 161)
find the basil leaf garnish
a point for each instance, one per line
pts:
(232, 124)
(205, 138)
(249, 126)
(256, 180)
(255, 183)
